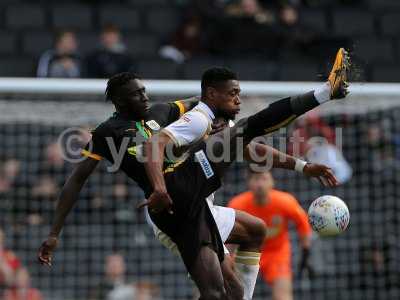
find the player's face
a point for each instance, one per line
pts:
(260, 184)
(228, 100)
(134, 100)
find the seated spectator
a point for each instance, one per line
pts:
(63, 60)
(187, 41)
(22, 289)
(111, 58)
(114, 285)
(9, 264)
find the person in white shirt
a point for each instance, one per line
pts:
(220, 94)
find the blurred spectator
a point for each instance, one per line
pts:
(147, 291)
(112, 56)
(187, 41)
(114, 286)
(22, 289)
(9, 171)
(9, 264)
(63, 60)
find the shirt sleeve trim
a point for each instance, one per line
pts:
(91, 155)
(181, 107)
(171, 136)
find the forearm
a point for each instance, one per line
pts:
(264, 155)
(154, 152)
(305, 242)
(68, 197)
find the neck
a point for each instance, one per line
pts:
(261, 199)
(210, 105)
(127, 116)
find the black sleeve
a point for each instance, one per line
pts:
(97, 148)
(166, 113)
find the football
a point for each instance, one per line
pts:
(328, 215)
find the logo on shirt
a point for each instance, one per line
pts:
(204, 163)
(153, 125)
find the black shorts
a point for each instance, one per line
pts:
(192, 225)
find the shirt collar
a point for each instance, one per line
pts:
(204, 107)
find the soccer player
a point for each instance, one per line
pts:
(276, 209)
(179, 211)
(118, 140)
(235, 226)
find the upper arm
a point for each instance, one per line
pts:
(83, 170)
(189, 128)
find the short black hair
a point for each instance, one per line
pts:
(117, 81)
(216, 75)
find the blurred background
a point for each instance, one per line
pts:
(107, 250)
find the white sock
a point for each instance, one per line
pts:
(323, 93)
(248, 264)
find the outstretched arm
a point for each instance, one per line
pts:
(266, 156)
(67, 199)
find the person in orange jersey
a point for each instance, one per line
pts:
(276, 208)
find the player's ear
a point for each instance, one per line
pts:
(210, 93)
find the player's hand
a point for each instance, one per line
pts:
(323, 173)
(218, 125)
(46, 250)
(158, 201)
(305, 265)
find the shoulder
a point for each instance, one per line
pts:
(284, 198)
(241, 200)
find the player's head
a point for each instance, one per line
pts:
(115, 266)
(260, 183)
(128, 94)
(220, 89)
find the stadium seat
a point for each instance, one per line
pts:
(123, 17)
(253, 69)
(142, 45)
(17, 67)
(72, 16)
(313, 19)
(34, 43)
(25, 16)
(144, 3)
(163, 21)
(8, 43)
(386, 74)
(374, 50)
(88, 41)
(390, 24)
(194, 68)
(157, 69)
(384, 4)
(353, 23)
(298, 72)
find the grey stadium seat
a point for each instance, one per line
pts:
(386, 74)
(16, 67)
(142, 45)
(8, 43)
(146, 3)
(157, 69)
(313, 19)
(88, 41)
(254, 69)
(72, 16)
(390, 24)
(163, 21)
(34, 43)
(123, 17)
(374, 50)
(194, 68)
(353, 23)
(24, 16)
(298, 72)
